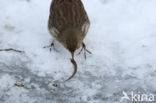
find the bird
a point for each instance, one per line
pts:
(68, 24)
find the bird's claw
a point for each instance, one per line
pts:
(85, 50)
(50, 46)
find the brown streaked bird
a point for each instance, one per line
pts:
(69, 23)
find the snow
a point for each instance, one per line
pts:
(121, 37)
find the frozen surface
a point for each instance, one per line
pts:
(122, 39)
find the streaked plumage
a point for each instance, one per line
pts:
(68, 23)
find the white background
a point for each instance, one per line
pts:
(122, 39)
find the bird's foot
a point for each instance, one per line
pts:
(50, 46)
(85, 50)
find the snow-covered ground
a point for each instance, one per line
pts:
(122, 39)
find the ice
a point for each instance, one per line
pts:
(121, 38)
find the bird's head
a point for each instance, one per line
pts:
(72, 39)
(72, 44)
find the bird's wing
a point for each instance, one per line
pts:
(68, 13)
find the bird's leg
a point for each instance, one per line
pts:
(85, 50)
(50, 46)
